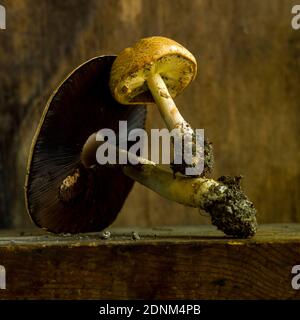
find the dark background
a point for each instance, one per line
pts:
(246, 94)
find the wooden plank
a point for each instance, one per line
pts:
(165, 263)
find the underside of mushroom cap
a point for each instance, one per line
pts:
(80, 106)
(176, 65)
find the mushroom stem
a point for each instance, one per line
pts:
(187, 191)
(224, 200)
(173, 120)
(164, 101)
(229, 208)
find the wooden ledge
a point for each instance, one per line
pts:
(160, 263)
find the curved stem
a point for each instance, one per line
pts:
(230, 209)
(191, 192)
(187, 191)
(224, 200)
(174, 120)
(164, 101)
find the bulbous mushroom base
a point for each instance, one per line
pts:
(233, 212)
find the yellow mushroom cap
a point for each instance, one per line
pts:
(129, 73)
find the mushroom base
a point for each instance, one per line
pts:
(231, 212)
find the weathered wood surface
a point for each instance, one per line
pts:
(165, 263)
(246, 94)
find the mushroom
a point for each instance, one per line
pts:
(230, 209)
(67, 191)
(157, 69)
(62, 194)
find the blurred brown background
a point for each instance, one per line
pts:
(246, 94)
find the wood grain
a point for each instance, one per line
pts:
(246, 95)
(166, 263)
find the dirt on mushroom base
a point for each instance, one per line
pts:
(208, 160)
(232, 212)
